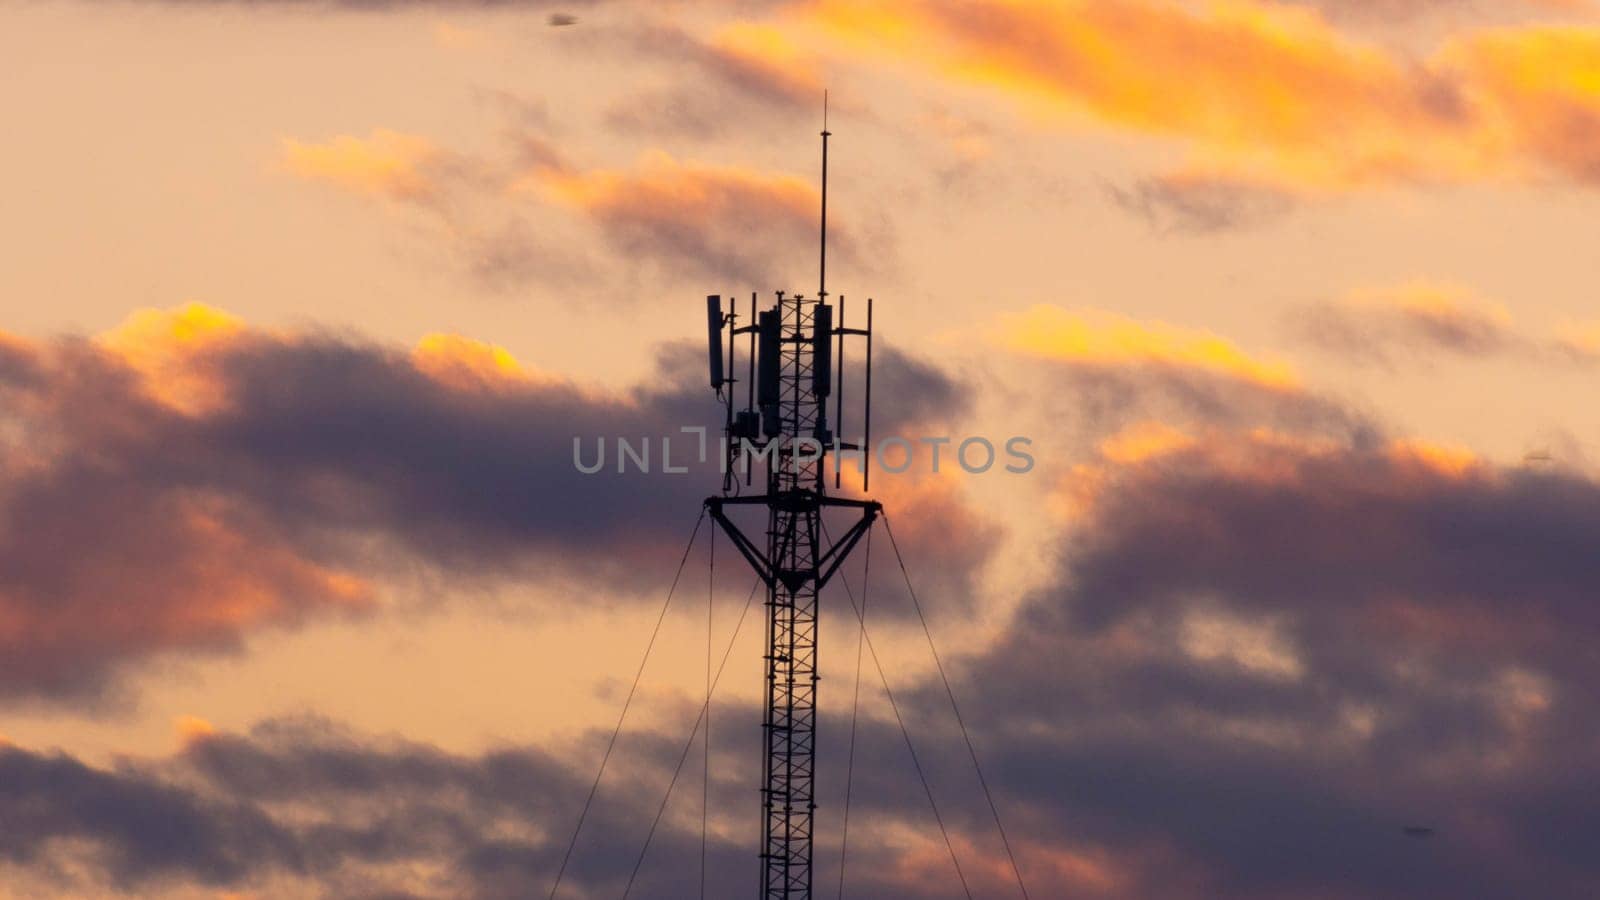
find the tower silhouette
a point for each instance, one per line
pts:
(792, 370)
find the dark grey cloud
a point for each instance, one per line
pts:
(146, 829)
(323, 470)
(1253, 669)
(331, 812)
(335, 813)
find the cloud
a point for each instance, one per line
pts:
(1260, 657)
(1098, 339)
(1416, 320)
(460, 199)
(387, 163)
(1202, 205)
(763, 59)
(739, 70)
(1265, 93)
(1109, 373)
(303, 807)
(187, 480)
(694, 220)
(140, 827)
(1580, 342)
(1538, 85)
(113, 563)
(306, 807)
(663, 218)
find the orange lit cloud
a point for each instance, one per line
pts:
(1101, 339)
(764, 55)
(664, 188)
(193, 728)
(1580, 341)
(135, 569)
(695, 218)
(1251, 455)
(1264, 91)
(1143, 440)
(1261, 455)
(1537, 90)
(465, 362)
(1441, 460)
(1445, 306)
(173, 352)
(387, 163)
(461, 38)
(166, 349)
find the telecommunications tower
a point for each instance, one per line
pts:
(795, 363)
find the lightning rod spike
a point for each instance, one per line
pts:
(822, 266)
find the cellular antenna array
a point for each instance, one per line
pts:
(795, 362)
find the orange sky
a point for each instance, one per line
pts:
(1360, 225)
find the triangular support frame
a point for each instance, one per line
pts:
(827, 564)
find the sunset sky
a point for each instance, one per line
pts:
(305, 301)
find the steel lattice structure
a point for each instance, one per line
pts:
(791, 716)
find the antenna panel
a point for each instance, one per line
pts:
(714, 343)
(768, 366)
(822, 351)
